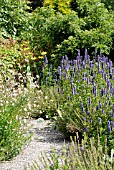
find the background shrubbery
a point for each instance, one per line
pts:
(87, 25)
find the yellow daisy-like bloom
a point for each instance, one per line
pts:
(30, 53)
(21, 45)
(33, 58)
(43, 53)
(40, 57)
(27, 56)
(25, 49)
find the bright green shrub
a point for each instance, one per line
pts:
(57, 5)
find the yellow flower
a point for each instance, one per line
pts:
(25, 49)
(21, 45)
(40, 57)
(33, 58)
(27, 56)
(43, 53)
(30, 53)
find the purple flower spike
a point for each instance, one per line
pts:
(63, 58)
(109, 127)
(73, 92)
(58, 89)
(45, 60)
(86, 129)
(87, 80)
(94, 91)
(82, 107)
(86, 55)
(113, 107)
(74, 69)
(91, 65)
(99, 120)
(68, 98)
(97, 108)
(83, 65)
(75, 89)
(81, 149)
(110, 62)
(112, 125)
(102, 92)
(78, 52)
(91, 120)
(110, 76)
(100, 104)
(59, 71)
(84, 119)
(42, 68)
(102, 66)
(99, 67)
(89, 101)
(102, 111)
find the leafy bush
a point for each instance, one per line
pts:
(84, 94)
(89, 25)
(13, 17)
(75, 157)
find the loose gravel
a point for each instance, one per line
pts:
(44, 139)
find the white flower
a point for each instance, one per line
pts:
(25, 109)
(29, 106)
(46, 97)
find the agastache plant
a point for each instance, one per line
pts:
(88, 87)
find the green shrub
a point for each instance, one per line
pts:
(89, 25)
(83, 92)
(13, 17)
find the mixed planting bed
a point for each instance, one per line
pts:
(77, 96)
(44, 75)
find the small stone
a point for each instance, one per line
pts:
(39, 120)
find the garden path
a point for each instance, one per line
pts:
(44, 139)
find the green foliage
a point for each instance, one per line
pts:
(108, 3)
(89, 26)
(13, 17)
(74, 157)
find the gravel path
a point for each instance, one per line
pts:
(44, 139)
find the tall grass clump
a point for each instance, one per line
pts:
(83, 92)
(74, 157)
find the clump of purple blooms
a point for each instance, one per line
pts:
(88, 85)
